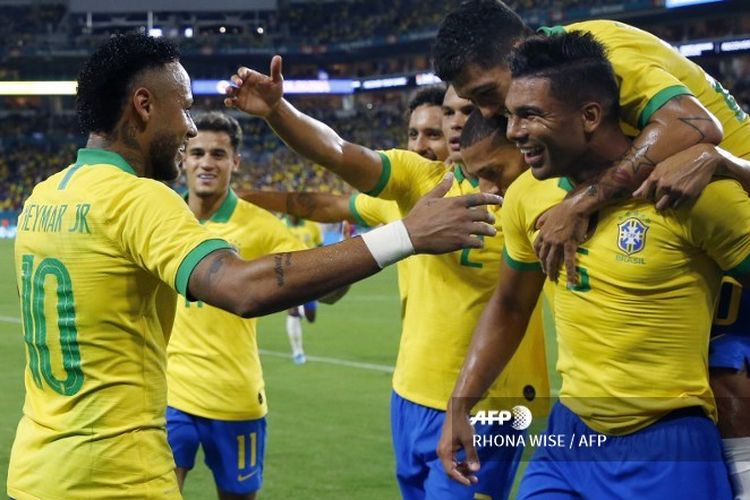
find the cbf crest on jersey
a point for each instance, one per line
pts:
(631, 237)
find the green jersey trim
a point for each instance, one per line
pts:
(659, 100)
(192, 259)
(520, 266)
(551, 30)
(225, 211)
(458, 172)
(385, 176)
(355, 213)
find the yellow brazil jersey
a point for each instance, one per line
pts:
(447, 294)
(213, 368)
(633, 334)
(306, 231)
(650, 72)
(371, 212)
(99, 255)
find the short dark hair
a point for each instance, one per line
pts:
(107, 75)
(216, 121)
(477, 32)
(431, 96)
(478, 128)
(576, 65)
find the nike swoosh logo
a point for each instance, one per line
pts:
(241, 478)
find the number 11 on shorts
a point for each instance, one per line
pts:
(241, 441)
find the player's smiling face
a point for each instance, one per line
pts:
(455, 113)
(426, 133)
(174, 125)
(209, 163)
(548, 131)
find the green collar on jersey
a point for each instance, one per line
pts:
(458, 172)
(224, 212)
(551, 30)
(566, 184)
(92, 156)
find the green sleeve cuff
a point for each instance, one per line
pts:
(355, 213)
(659, 100)
(520, 266)
(385, 176)
(740, 270)
(192, 259)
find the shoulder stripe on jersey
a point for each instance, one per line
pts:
(385, 175)
(64, 183)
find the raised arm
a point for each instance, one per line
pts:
(496, 337)
(277, 282)
(681, 123)
(318, 207)
(261, 95)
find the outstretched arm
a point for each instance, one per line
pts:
(261, 95)
(496, 337)
(681, 123)
(277, 282)
(318, 207)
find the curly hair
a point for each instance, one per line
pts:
(107, 75)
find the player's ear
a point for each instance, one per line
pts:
(236, 160)
(143, 103)
(591, 116)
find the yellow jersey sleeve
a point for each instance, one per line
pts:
(650, 72)
(170, 243)
(371, 212)
(524, 201)
(406, 177)
(317, 234)
(726, 239)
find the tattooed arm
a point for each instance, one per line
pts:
(318, 207)
(681, 123)
(276, 282)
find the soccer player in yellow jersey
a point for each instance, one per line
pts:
(215, 388)
(102, 250)
(633, 332)
(445, 297)
(677, 113)
(311, 236)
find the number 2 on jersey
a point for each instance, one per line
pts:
(33, 299)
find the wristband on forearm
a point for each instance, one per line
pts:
(389, 243)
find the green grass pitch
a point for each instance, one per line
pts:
(328, 423)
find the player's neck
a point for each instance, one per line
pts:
(204, 207)
(129, 154)
(606, 149)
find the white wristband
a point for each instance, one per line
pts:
(389, 243)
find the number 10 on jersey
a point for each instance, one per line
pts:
(33, 298)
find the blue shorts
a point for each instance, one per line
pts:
(311, 306)
(730, 350)
(678, 457)
(416, 429)
(234, 450)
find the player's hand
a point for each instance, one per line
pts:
(681, 178)
(254, 92)
(440, 225)
(457, 435)
(561, 230)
